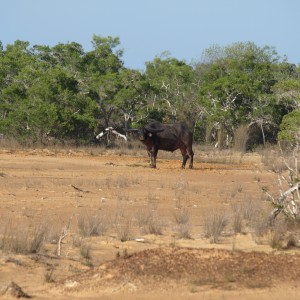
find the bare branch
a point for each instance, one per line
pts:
(63, 235)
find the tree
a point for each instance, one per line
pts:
(235, 81)
(102, 66)
(17, 69)
(287, 93)
(289, 128)
(132, 95)
(173, 87)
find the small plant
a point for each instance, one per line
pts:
(124, 230)
(182, 219)
(214, 225)
(260, 225)
(237, 222)
(277, 234)
(183, 231)
(86, 253)
(149, 222)
(125, 253)
(49, 275)
(89, 225)
(76, 241)
(123, 226)
(182, 216)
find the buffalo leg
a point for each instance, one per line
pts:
(185, 157)
(191, 154)
(153, 154)
(152, 160)
(150, 156)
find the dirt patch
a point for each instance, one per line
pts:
(163, 267)
(60, 188)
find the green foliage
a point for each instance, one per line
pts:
(289, 128)
(237, 87)
(173, 89)
(66, 93)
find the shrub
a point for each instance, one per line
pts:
(214, 224)
(182, 219)
(23, 240)
(89, 225)
(149, 222)
(123, 226)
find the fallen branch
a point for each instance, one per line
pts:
(78, 189)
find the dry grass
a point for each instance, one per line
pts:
(244, 213)
(123, 225)
(182, 220)
(23, 240)
(215, 222)
(149, 221)
(86, 251)
(92, 224)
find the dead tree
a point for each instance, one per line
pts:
(289, 200)
(107, 132)
(63, 235)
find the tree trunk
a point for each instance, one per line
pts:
(263, 133)
(221, 137)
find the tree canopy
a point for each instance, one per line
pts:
(67, 93)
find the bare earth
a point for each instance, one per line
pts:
(59, 188)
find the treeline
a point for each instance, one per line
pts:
(67, 94)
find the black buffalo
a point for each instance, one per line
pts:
(157, 136)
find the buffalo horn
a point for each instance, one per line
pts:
(154, 130)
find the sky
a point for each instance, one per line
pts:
(147, 28)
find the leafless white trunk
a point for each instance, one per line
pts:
(62, 236)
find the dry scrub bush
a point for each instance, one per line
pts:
(49, 274)
(124, 230)
(237, 219)
(23, 240)
(271, 157)
(277, 234)
(214, 224)
(182, 219)
(283, 234)
(249, 215)
(123, 226)
(244, 214)
(149, 222)
(89, 225)
(85, 251)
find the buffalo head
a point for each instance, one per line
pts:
(147, 132)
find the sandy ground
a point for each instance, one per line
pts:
(57, 190)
